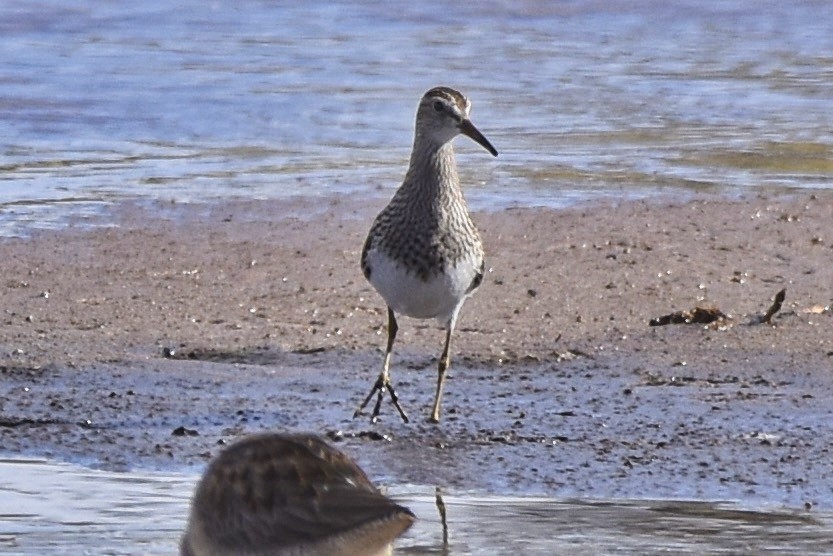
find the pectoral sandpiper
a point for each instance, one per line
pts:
(423, 253)
(282, 495)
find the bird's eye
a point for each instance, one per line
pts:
(438, 106)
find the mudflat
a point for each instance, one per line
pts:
(154, 342)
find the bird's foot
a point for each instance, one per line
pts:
(382, 383)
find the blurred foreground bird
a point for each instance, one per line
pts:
(289, 494)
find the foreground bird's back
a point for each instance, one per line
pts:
(289, 495)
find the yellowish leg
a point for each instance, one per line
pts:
(445, 362)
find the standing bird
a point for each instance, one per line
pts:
(289, 495)
(423, 253)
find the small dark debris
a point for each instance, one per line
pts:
(168, 353)
(761, 381)
(338, 435)
(372, 435)
(335, 436)
(21, 370)
(698, 315)
(723, 380)
(655, 380)
(11, 422)
(182, 431)
(531, 293)
(308, 351)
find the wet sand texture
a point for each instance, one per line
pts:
(149, 343)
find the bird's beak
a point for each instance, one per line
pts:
(467, 128)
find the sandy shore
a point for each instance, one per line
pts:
(154, 342)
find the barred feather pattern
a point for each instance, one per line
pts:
(426, 227)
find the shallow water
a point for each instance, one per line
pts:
(196, 102)
(161, 100)
(52, 508)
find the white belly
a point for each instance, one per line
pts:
(407, 294)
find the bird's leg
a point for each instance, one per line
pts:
(383, 382)
(442, 367)
(393, 328)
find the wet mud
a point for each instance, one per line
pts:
(155, 343)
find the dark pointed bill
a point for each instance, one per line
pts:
(467, 128)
